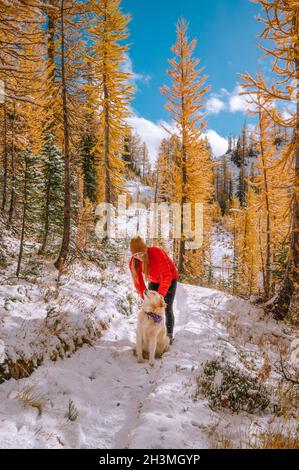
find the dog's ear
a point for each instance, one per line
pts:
(162, 302)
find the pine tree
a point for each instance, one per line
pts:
(13, 151)
(52, 189)
(30, 194)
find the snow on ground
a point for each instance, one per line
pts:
(136, 187)
(41, 318)
(114, 402)
(38, 319)
(222, 252)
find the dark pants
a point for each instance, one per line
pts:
(169, 298)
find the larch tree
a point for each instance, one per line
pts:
(248, 243)
(198, 262)
(167, 171)
(242, 177)
(281, 34)
(266, 157)
(70, 19)
(271, 184)
(24, 105)
(185, 104)
(167, 179)
(110, 94)
(15, 57)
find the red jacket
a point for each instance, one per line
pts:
(161, 270)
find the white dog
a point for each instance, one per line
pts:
(152, 339)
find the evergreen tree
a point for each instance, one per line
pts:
(52, 189)
(30, 199)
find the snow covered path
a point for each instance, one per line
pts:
(123, 404)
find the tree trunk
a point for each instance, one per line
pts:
(49, 126)
(266, 276)
(25, 195)
(60, 262)
(107, 147)
(156, 186)
(12, 170)
(182, 249)
(46, 226)
(5, 158)
(182, 245)
(279, 307)
(242, 174)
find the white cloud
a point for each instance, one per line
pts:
(136, 77)
(239, 103)
(287, 110)
(251, 127)
(219, 144)
(224, 100)
(215, 105)
(151, 133)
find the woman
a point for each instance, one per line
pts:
(154, 265)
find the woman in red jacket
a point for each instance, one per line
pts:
(154, 265)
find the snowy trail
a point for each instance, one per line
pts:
(123, 404)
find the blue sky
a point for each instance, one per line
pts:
(226, 31)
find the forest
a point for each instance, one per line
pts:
(67, 146)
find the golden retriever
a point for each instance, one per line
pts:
(152, 339)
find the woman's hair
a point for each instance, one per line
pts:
(145, 266)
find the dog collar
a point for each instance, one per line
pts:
(154, 316)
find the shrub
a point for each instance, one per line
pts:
(227, 387)
(276, 439)
(126, 304)
(72, 412)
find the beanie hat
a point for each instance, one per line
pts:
(138, 245)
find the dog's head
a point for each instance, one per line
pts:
(154, 302)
